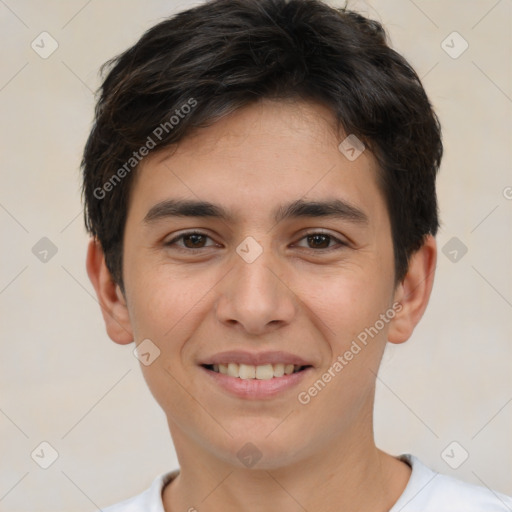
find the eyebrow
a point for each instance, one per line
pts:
(334, 208)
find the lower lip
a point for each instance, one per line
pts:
(256, 389)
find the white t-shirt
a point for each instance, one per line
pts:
(426, 491)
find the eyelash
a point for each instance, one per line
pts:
(172, 242)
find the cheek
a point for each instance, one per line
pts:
(349, 310)
(347, 303)
(165, 311)
(163, 301)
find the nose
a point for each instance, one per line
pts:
(254, 298)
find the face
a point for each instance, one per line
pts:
(262, 283)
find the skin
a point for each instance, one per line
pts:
(296, 297)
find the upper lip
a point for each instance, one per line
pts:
(255, 358)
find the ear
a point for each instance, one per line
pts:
(413, 292)
(110, 296)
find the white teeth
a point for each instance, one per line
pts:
(264, 372)
(233, 370)
(278, 370)
(260, 372)
(247, 371)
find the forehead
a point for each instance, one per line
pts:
(259, 158)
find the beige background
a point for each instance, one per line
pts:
(64, 382)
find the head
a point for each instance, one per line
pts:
(277, 113)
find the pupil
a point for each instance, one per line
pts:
(194, 239)
(316, 238)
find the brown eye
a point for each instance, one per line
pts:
(318, 241)
(194, 240)
(191, 240)
(322, 241)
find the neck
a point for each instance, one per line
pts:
(349, 473)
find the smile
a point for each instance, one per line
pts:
(260, 372)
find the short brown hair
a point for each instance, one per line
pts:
(226, 54)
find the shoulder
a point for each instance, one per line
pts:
(148, 501)
(430, 491)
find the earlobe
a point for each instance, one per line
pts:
(413, 293)
(111, 299)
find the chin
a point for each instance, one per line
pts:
(260, 447)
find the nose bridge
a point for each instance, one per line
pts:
(253, 270)
(252, 294)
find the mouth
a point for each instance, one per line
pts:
(256, 375)
(260, 372)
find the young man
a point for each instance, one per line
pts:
(260, 187)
